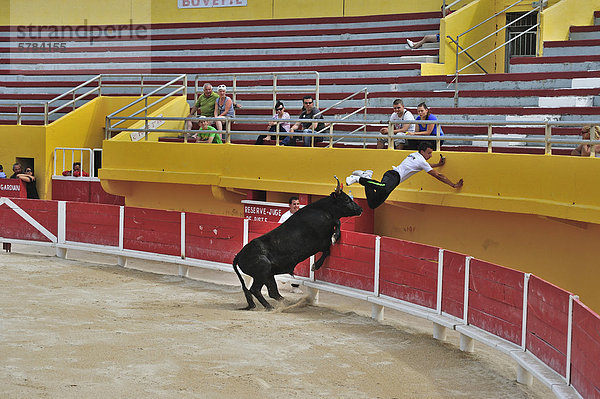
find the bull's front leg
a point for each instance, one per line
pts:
(337, 232)
(317, 265)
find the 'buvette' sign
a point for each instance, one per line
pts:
(211, 3)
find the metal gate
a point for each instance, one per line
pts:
(524, 46)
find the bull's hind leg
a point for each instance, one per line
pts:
(255, 290)
(272, 288)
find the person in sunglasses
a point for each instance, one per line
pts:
(283, 127)
(309, 111)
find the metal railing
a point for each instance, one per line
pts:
(544, 141)
(83, 153)
(109, 127)
(537, 8)
(275, 89)
(94, 86)
(364, 108)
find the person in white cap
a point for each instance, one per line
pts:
(223, 106)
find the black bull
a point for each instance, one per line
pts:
(310, 230)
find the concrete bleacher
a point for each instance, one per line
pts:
(349, 53)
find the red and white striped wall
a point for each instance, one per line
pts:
(549, 333)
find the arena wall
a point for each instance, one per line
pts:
(542, 327)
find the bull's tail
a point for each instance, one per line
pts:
(247, 292)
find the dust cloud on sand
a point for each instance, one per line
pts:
(85, 328)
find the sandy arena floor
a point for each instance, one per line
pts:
(85, 328)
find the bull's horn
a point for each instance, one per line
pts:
(338, 188)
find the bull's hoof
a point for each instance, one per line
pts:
(249, 307)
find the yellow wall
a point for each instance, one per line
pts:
(558, 18)
(23, 142)
(75, 12)
(488, 182)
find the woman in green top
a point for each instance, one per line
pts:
(207, 133)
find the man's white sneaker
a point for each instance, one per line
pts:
(352, 179)
(410, 43)
(367, 174)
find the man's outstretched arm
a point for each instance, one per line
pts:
(444, 179)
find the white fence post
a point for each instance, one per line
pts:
(376, 272)
(524, 321)
(183, 269)
(62, 227)
(121, 260)
(245, 239)
(376, 309)
(438, 305)
(570, 338)
(466, 294)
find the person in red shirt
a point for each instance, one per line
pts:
(76, 172)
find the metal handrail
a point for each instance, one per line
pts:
(110, 127)
(274, 89)
(460, 50)
(547, 140)
(99, 78)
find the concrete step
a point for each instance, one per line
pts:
(572, 47)
(591, 32)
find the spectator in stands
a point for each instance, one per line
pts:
(377, 192)
(584, 150)
(207, 133)
(426, 39)
(294, 203)
(424, 130)
(223, 107)
(28, 178)
(400, 114)
(2, 174)
(205, 103)
(309, 111)
(76, 172)
(283, 127)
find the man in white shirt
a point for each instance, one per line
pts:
(399, 115)
(377, 192)
(294, 206)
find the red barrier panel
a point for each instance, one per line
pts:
(351, 262)
(213, 237)
(453, 284)
(71, 190)
(496, 300)
(98, 195)
(42, 215)
(257, 229)
(547, 323)
(92, 223)
(585, 351)
(152, 230)
(408, 271)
